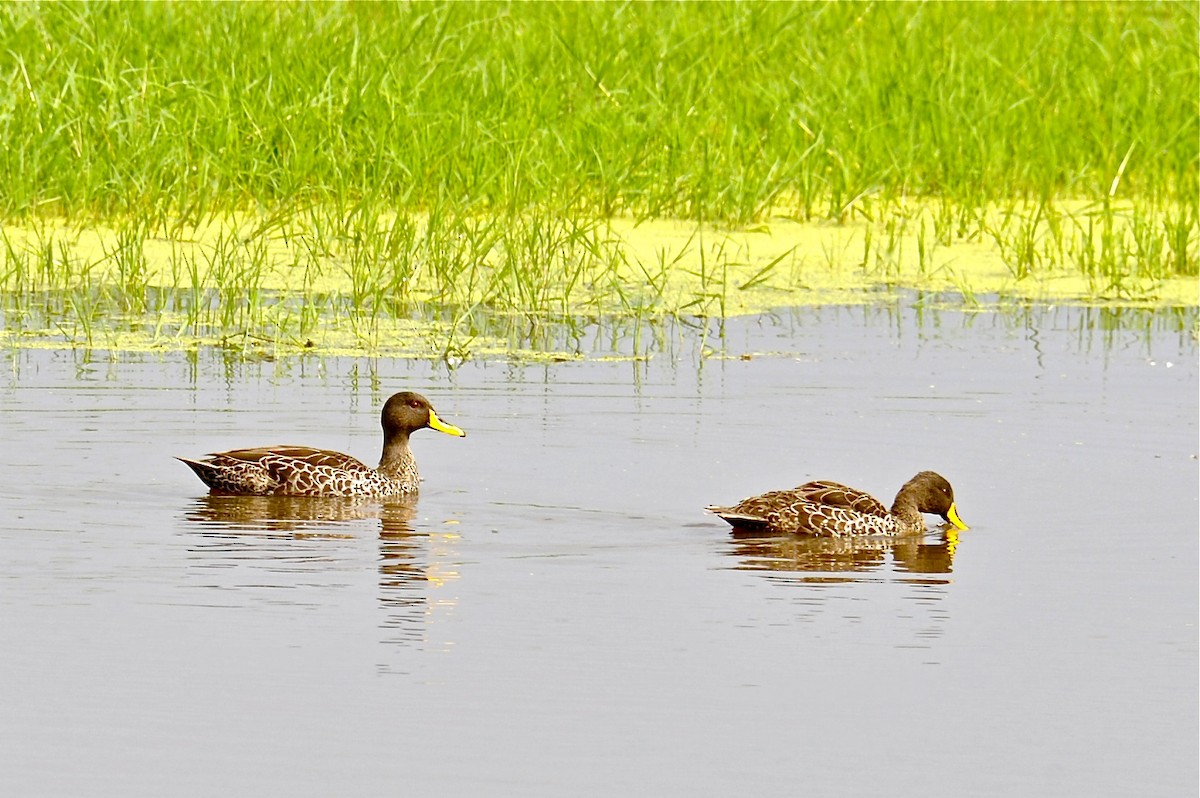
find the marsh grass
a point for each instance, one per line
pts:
(450, 284)
(450, 177)
(1119, 248)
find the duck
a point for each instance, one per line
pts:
(830, 509)
(306, 471)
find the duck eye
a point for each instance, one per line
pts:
(413, 403)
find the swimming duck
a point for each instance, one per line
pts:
(829, 509)
(305, 471)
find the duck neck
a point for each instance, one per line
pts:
(397, 460)
(905, 509)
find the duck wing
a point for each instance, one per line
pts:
(305, 471)
(280, 456)
(835, 494)
(263, 470)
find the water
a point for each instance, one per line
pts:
(556, 615)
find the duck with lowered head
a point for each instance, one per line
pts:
(829, 509)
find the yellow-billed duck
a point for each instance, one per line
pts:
(829, 509)
(305, 471)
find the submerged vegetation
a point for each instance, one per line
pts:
(428, 178)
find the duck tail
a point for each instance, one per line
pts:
(736, 519)
(204, 470)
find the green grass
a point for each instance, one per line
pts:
(713, 111)
(417, 172)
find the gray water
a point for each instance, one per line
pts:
(557, 615)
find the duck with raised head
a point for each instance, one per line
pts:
(829, 509)
(305, 471)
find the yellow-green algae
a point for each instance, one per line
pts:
(405, 286)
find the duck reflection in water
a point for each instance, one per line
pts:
(280, 532)
(309, 516)
(845, 559)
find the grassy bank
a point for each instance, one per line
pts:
(272, 170)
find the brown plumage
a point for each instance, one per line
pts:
(306, 471)
(832, 510)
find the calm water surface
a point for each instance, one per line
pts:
(556, 615)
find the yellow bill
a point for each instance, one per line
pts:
(441, 426)
(952, 516)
